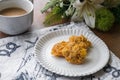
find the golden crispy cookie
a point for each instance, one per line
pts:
(74, 53)
(57, 49)
(80, 40)
(77, 39)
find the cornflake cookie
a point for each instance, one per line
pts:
(80, 40)
(57, 49)
(74, 51)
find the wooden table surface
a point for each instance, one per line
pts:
(111, 38)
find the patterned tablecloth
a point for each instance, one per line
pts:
(17, 59)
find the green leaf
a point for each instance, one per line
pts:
(104, 19)
(50, 4)
(56, 16)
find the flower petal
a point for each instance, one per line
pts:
(89, 15)
(77, 17)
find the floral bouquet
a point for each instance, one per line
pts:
(99, 14)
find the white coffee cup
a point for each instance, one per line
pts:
(13, 25)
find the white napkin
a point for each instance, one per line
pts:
(17, 59)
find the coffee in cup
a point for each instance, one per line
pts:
(16, 16)
(12, 12)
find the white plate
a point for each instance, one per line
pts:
(97, 57)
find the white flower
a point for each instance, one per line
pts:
(86, 9)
